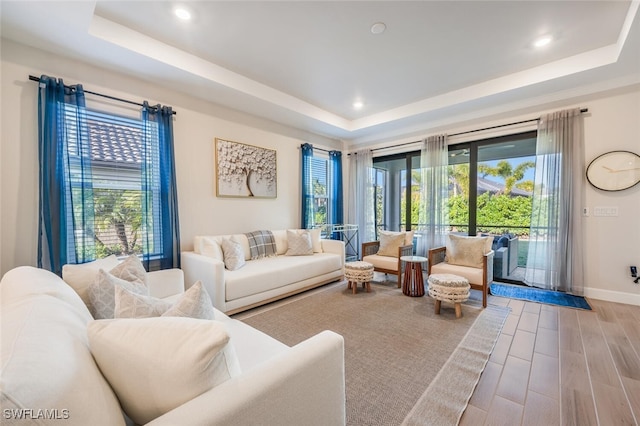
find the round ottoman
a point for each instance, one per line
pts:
(358, 272)
(449, 288)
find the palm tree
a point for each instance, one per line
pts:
(459, 179)
(505, 170)
(119, 211)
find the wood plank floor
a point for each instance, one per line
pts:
(561, 366)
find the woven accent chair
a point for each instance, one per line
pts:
(386, 263)
(480, 277)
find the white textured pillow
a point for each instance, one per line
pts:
(130, 269)
(193, 303)
(299, 243)
(102, 293)
(190, 356)
(82, 275)
(233, 254)
(211, 248)
(315, 240)
(408, 237)
(467, 251)
(390, 242)
(133, 305)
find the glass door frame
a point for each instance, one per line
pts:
(473, 147)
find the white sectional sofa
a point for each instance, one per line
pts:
(49, 374)
(263, 280)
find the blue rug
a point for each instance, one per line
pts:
(538, 295)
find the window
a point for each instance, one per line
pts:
(320, 183)
(379, 196)
(490, 190)
(107, 182)
(112, 193)
(321, 187)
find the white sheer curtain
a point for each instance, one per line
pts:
(555, 259)
(434, 192)
(360, 205)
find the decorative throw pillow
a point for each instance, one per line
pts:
(102, 293)
(315, 240)
(210, 247)
(467, 251)
(193, 303)
(299, 243)
(130, 269)
(390, 242)
(233, 254)
(190, 356)
(81, 276)
(134, 305)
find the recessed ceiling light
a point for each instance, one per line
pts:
(378, 28)
(358, 105)
(182, 13)
(542, 41)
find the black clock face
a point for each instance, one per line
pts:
(614, 171)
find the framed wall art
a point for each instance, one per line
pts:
(245, 170)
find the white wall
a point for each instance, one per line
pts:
(612, 123)
(612, 244)
(196, 125)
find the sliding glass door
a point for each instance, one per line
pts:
(490, 186)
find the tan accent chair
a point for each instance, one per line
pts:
(387, 264)
(479, 278)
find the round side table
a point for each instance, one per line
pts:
(413, 282)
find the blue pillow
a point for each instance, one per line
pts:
(503, 241)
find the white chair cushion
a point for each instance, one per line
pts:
(474, 275)
(382, 262)
(190, 356)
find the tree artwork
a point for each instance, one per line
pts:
(245, 170)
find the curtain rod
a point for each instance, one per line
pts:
(583, 110)
(318, 149)
(34, 78)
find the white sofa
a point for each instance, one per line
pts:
(263, 280)
(49, 375)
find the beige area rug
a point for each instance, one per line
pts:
(395, 349)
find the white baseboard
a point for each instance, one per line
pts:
(613, 296)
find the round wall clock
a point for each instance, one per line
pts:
(614, 171)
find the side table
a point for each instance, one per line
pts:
(413, 282)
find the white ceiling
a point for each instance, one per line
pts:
(304, 63)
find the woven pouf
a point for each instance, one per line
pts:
(449, 288)
(358, 272)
